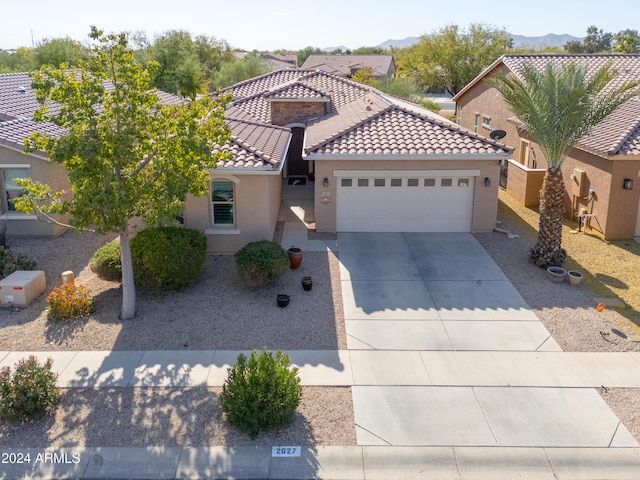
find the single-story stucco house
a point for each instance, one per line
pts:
(378, 163)
(601, 172)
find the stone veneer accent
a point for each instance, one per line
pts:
(286, 113)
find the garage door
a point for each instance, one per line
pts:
(405, 204)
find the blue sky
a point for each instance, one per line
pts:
(294, 24)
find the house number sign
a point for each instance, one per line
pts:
(285, 451)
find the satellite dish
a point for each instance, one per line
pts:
(497, 134)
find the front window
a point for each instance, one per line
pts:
(223, 202)
(11, 189)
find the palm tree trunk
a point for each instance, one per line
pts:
(548, 251)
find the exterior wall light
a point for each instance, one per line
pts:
(487, 182)
(325, 182)
(627, 184)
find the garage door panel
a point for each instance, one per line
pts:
(427, 207)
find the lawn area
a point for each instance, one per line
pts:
(611, 269)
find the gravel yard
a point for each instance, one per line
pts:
(219, 313)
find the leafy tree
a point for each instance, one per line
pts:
(626, 41)
(230, 73)
(596, 41)
(452, 57)
(306, 53)
(369, 51)
(57, 51)
(365, 75)
(19, 61)
(126, 154)
(558, 107)
(212, 54)
(179, 69)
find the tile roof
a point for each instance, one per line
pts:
(399, 131)
(251, 97)
(17, 98)
(255, 146)
(618, 134)
(344, 65)
(360, 120)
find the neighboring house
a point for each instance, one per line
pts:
(273, 64)
(599, 173)
(17, 104)
(290, 58)
(383, 66)
(380, 163)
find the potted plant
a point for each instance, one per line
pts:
(283, 300)
(307, 283)
(295, 257)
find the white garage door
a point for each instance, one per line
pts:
(405, 204)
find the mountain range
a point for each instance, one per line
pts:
(549, 40)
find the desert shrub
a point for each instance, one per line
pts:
(69, 301)
(260, 263)
(261, 393)
(167, 257)
(106, 261)
(30, 390)
(10, 262)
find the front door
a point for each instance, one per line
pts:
(296, 165)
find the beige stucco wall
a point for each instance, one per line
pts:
(621, 220)
(42, 171)
(485, 198)
(524, 184)
(257, 204)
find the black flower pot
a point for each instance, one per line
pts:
(283, 300)
(307, 283)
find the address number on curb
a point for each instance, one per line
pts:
(285, 451)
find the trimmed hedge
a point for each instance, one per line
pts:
(106, 261)
(261, 263)
(167, 257)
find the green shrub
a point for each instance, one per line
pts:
(30, 390)
(167, 257)
(10, 262)
(106, 261)
(261, 393)
(260, 263)
(69, 301)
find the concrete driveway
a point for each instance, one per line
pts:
(438, 340)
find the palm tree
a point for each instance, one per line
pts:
(557, 107)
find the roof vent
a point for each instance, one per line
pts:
(21, 89)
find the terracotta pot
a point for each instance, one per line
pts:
(307, 283)
(295, 257)
(283, 300)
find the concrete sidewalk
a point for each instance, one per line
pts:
(348, 368)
